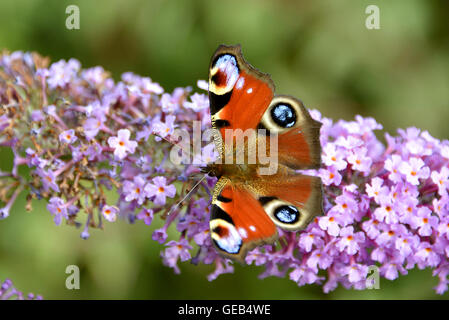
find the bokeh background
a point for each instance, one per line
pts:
(319, 51)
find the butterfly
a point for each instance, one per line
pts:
(247, 205)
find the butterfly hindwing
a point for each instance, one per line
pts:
(298, 144)
(291, 200)
(244, 215)
(238, 221)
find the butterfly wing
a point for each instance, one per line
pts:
(245, 215)
(242, 97)
(238, 222)
(291, 200)
(239, 94)
(298, 134)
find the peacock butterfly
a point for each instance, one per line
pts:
(248, 205)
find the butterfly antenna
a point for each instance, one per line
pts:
(187, 195)
(173, 143)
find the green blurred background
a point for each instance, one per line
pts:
(319, 51)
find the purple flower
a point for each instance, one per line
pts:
(333, 157)
(176, 251)
(329, 224)
(58, 208)
(34, 159)
(360, 161)
(426, 256)
(319, 258)
(376, 190)
(160, 235)
(356, 272)
(91, 127)
(441, 179)
(386, 212)
(166, 128)
(406, 244)
(309, 239)
(160, 190)
(350, 241)
(424, 221)
(94, 76)
(302, 275)
(146, 215)
(61, 73)
(135, 190)
(110, 213)
(414, 170)
(68, 136)
(48, 179)
(199, 102)
(121, 144)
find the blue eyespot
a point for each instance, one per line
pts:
(287, 214)
(283, 115)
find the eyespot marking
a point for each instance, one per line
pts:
(225, 72)
(287, 214)
(219, 78)
(225, 236)
(283, 115)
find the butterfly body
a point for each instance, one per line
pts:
(255, 194)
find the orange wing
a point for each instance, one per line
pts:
(239, 94)
(245, 213)
(238, 221)
(242, 97)
(298, 143)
